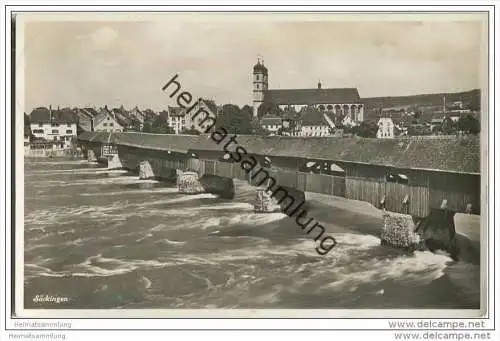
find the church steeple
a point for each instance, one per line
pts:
(260, 84)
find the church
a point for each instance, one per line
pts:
(342, 102)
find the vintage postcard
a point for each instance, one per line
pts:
(257, 164)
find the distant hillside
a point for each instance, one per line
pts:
(470, 98)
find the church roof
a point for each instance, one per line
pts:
(312, 96)
(313, 118)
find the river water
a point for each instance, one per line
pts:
(104, 239)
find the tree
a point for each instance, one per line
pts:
(211, 105)
(366, 129)
(475, 101)
(27, 127)
(147, 127)
(469, 125)
(247, 110)
(135, 126)
(234, 120)
(158, 126)
(268, 109)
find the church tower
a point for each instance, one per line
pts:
(259, 85)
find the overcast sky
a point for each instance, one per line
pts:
(117, 62)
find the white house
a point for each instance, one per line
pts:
(314, 123)
(385, 128)
(271, 123)
(177, 119)
(54, 125)
(314, 130)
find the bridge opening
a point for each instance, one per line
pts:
(322, 167)
(398, 178)
(227, 158)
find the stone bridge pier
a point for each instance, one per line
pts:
(187, 170)
(91, 151)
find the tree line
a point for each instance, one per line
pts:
(231, 117)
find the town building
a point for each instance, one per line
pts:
(345, 101)
(197, 116)
(86, 118)
(177, 119)
(271, 123)
(127, 121)
(386, 129)
(315, 123)
(149, 115)
(54, 125)
(137, 115)
(105, 121)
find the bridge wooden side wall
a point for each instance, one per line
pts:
(425, 189)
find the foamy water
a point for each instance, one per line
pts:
(104, 240)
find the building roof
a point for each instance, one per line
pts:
(177, 111)
(124, 118)
(45, 115)
(313, 118)
(312, 96)
(101, 117)
(91, 111)
(270, 120)
(437, 120)
(137, 113)
(291, 115)
(83, 115)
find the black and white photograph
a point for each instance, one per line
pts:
(251, 161)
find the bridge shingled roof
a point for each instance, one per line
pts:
(452, 155)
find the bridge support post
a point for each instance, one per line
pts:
(189, 183)
(91, 157)
(438, 231)
(114, 162)
(145, 171)
(399, 232)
